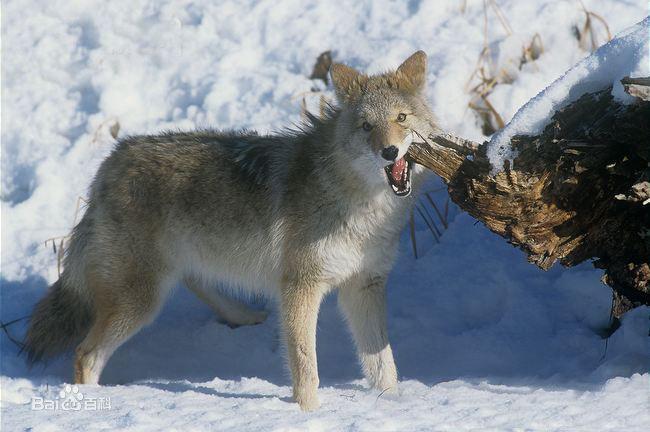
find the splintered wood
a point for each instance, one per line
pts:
(574, 193)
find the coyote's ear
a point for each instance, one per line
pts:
(413, 72)
(347, 82)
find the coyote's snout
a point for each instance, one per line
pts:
(292, 216)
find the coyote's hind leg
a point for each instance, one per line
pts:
(120, 312)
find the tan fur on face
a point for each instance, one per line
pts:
(386, 134)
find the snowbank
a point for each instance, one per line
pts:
(625, 55)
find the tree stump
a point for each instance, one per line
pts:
(578, 191)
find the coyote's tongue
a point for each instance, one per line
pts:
(397, 171)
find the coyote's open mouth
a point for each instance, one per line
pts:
(399, 176)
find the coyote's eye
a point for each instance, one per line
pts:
(366, 126)
(401, 117)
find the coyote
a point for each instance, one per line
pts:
(291, 216)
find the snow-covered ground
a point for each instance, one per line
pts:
(482, 339)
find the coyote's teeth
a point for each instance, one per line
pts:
(399, 177)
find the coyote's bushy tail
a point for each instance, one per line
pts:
(59, 320)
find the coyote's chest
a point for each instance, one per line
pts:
(364, 241)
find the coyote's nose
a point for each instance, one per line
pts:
(390, 153)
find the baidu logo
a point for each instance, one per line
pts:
(71, 399)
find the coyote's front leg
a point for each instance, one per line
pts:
(363, 302)
(299, 308)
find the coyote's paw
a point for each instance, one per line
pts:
(381, 373)
(308, 403)
(246, 317)
(257, 317)
(307, 399)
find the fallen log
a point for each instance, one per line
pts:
(579, 191)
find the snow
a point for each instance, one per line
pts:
(625, 55)
(482, 339)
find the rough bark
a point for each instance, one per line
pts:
(578, 191)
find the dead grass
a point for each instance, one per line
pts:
(323, 102)
(422, 208)
(487, 74)
(483, 78)
(594, 25)
(60, 243)
(532, 51)
(113, 130)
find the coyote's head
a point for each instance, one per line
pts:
(381, 115)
